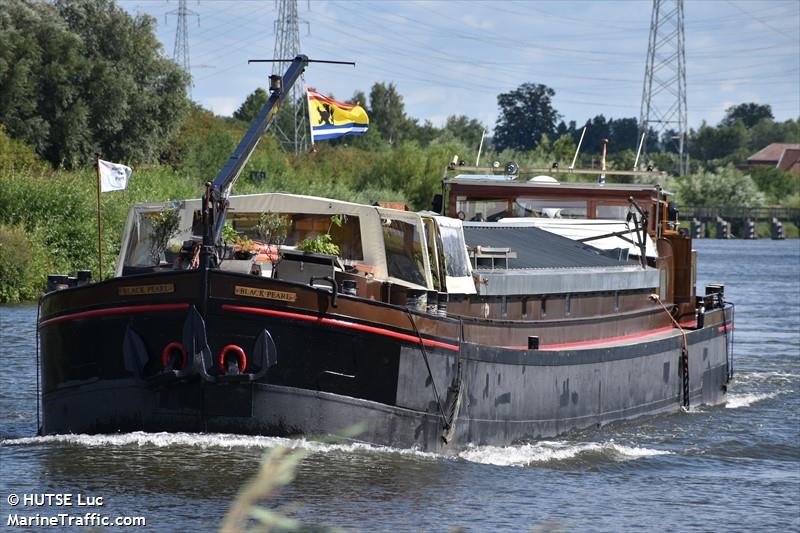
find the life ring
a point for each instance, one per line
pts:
(240, 355)
(168, 351)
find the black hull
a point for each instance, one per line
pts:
(326, 377)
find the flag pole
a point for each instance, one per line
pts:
(310, 125)
(480, 147)
(99, 223)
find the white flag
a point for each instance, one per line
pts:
(113, 176)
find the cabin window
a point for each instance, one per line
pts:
(543, 310)
(455, 256)
(532, 207)
(611, 212)
(435, 257)
(567, 304)
(481, 210)
(614, 212)
(504, 306)
(140, 252)
(616, 301)
(305, 225)
(404, 253)
(524, 308)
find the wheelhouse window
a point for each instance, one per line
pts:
(404, 251)
(481, 210)
(532, 207)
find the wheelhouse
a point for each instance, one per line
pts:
(489, 198)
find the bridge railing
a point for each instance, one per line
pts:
(706, 213)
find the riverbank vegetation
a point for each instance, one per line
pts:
(72, 85)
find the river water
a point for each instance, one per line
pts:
(735, 467)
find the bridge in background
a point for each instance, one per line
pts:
(731, 221)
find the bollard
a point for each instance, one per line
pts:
(750, 229)
(697, 229)
(723, 228)
(777, 231)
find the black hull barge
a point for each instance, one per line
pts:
(317, 370)
(424, 330)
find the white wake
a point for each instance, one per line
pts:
(736, 401)
(551, 451)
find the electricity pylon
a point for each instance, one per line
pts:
(180, 52)
(293, 133)
(664, 94)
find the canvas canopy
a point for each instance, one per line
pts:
(386, 234)
(577, 229)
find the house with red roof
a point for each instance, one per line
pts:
(783, 156)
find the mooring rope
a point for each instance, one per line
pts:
(728, 343)
(684, 351)
(427, 364)
(38, 315)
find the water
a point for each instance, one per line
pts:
(735, 466)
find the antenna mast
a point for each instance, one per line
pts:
(293, 131)
(180, 52)
(664, 93)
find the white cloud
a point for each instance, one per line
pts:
(471, 21)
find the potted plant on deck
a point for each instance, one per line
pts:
(165, 226)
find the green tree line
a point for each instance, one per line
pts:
(84, 77)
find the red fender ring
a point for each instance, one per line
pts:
(167, 351)
(239, 355)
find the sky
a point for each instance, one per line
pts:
(454, 57)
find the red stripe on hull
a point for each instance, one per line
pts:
(726, 327)
(115, 311)
(606, 340)
(603, 341)
(342, 324)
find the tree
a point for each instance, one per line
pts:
(252, 105)
(567, 129)
(750, 114)
(82, 76)
(597, 129)
(525, 114)
(388, 112)
(624, 134)
(767, 131)
(422, 133)
(359, 98)
(467, 130)
(725, 186)
(564, 149)
(715, 143)
(779, 186)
